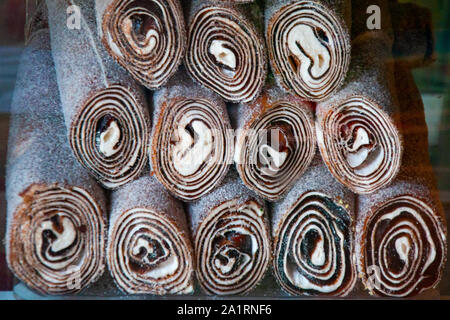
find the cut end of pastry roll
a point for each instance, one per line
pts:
(360, 144)
(192, 147)
(309, 49)
(232, 246)
(313, 252)
(225, 54)
(110, 135)
(146, 37)
(147, 253)
(275, 149)
(57, 239)
(404, 248)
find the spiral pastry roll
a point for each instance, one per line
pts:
(149, 251)
(275, 142)
(357, 129)
(231, 239)
(313, 236)
(192, 145)
(225, 53)
(309, 45)
(401, 230)
(104, 108)
(146, 37)
(56, 230)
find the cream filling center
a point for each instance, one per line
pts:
(141, 47)
(362, 157)
(189, 153)
(314, 57)
(274, 162)
(109, 138)
(222, 54)
(318, 255)
(161, 270)
(402, 246)
(64, 239)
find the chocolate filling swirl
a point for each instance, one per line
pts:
(232, 248)
(404, 248)
(145, 37)
(57, 242)
(275, 148)
(192, 147)
(313, 248)
(360, 144)
(147, 254)
(225, 53)
(309, 49)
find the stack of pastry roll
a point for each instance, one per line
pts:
(225, 52)
(275, 142)
(149, 250)
(104, 109)
(231, 237)
(357, 128)
(309, 45)
(401, 229)
(192, 141)
(55, 211)
(363, 203)
(312, 228)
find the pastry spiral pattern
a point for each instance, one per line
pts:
(57, 239)
(404, 248)
(192, 147)
(110, 135)
(232, 248)
(360, 145)
(225, 54)
(146, 37)
(313, 252)
(309, 49)
(148, 254)
(276, 149)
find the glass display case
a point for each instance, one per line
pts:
(424, 29)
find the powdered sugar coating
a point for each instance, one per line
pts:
(38, 152)
(341, 8)
(146, 192)
(414, 185)
(92, 84)
(39, 160)
(231, 188)
(316, 178)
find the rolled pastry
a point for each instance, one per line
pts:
(275, 142)
(225, 52)
(357, 129)
(192, 145)
(313, 236)
(231, 239)
(147, 38)
(149, 250)
(56, 229)
(104, 109)
(309, 45)
(401, 229)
